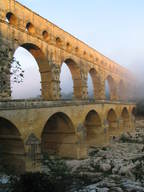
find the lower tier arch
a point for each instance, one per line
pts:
(12, 151)
(58, 136)
(94, 130)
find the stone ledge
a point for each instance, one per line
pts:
(26, 104)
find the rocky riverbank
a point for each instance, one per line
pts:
(116, 168)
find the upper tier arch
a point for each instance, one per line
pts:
(56, 44)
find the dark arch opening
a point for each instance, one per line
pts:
(125, 118)
(70, 80)
(68, 46)
(58, 41)
(30, 28)
(31, 60)
(76, 49)
(45, 35)
(112, 123)
(84, 53)
(11, 148)
(94, 129)
(58, 136)
(11, 18)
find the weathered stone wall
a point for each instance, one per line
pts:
(51, 46)
(67, 128)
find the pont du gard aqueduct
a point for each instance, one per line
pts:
(68, 128)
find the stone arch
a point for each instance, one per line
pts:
(112, 88)
(96, 82)
(30, 28)
(93, 127)
(121, 90)
(76, 77)
(68, 46)
(58, 41)
(44, 69)
(11, 18)
(45, 35)
(76, 49)
(11, 147)
(58, 136)
(126, 119)
(112, 123)
(84, 53)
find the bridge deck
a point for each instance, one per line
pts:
(67, 128)
(23, 104)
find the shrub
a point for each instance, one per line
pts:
(38, 182)
(55, 167)
(32, 182)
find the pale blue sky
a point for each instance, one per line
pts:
(115, 28)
